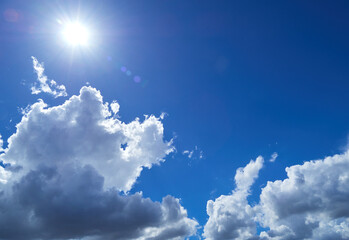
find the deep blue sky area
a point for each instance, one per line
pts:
(238, 79)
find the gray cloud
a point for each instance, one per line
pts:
(72, 204)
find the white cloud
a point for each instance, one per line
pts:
(189, 153)
(1, 143)
(114, 106)
(245, 177)
(68, 166)
(4, 175)
(45, 85)
(81, 130)
(311, 203)
(273, 157)
(195, 153)
(201, 154)
(230, 216)
(163, 115)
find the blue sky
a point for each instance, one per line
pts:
(236, 79)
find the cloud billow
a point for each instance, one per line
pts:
(311, 203)
(68, 176)
(230, 216)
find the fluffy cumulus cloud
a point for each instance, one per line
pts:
(230, 216)
(311, 203)
(68, 169)
(45, 85)
(82, 131)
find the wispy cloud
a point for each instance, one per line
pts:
(195, 153)
(273, 157)
(45, 85)
(189, 153)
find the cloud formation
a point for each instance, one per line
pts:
(45, 85)
(66, 172)
(82, 131)
(230, 216)
(311, 203)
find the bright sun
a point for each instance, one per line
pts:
(76, 34)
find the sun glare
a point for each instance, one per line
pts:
(76, 34)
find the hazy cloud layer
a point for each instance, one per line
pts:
(68, 167)
(45, 85)
(311, 203)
